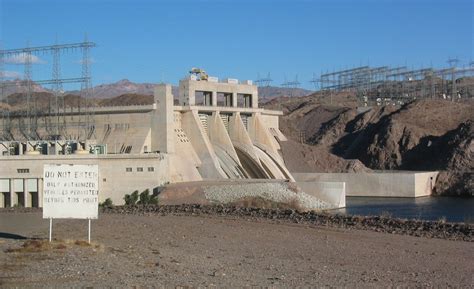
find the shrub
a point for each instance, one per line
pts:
(147, 199)
(107, 203)
(153, 199)
(131, 199)
(144, 198)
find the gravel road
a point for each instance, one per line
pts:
(204, 250)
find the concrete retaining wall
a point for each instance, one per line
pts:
(378, 184)
(333, 193)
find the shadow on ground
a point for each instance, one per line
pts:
(4, 235)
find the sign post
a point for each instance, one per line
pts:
(70, 192)
(50, 229)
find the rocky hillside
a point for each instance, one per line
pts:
(19, 86)
(127, 99)
(422, 135)
(124, 86)
(40, 101)
(266, 93)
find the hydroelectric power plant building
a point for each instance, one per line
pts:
(215, 131)
(212, 134)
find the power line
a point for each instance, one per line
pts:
(54, 126)
(263, 81)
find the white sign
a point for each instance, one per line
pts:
(70, 191)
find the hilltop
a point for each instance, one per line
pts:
(125, 86)
(19, 86)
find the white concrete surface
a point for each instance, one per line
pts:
(378, 184)
(333, 193)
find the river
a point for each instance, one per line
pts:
(453, 209)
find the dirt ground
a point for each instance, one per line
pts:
(132, 250)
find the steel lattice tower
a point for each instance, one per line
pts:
(54, 118)
(86, 90)
(57, 88)
(30, 111)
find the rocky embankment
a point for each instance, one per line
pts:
(428, 229)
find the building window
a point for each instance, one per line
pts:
(139, 169)
(151, 169)
(128, 169)
(23, 171)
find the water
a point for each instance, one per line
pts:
(426, 208)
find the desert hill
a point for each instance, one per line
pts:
(125, 86)
(127, 99)
(422, 135)
(41, 101)
(266, 93)
(19, 86)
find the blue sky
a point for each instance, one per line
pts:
(151, 41)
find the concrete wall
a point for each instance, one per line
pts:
(209, 168)
(114, 179)
(333, 193)
(425, 183)
(163, 120)
(18, 191)
(116, 127)
(188, 88)
(378, 184)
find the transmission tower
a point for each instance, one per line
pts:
(6, 109)
(263, 81)
(453, 62)
(291, 85)
(30, 116)
(28, 120)
(57, 88)
(315, 81)
(86, 90)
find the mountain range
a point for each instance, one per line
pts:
(18, 86)
(126, 86)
